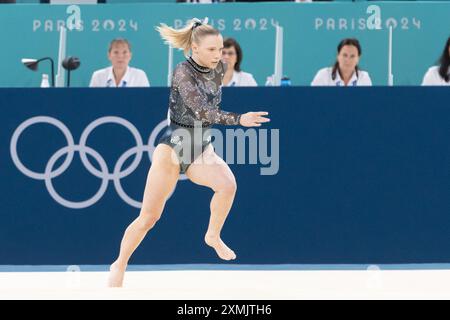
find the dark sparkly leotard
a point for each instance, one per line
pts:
(195, 96)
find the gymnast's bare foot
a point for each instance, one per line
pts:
(221, 248)
(116, 275)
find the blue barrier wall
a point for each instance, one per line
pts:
(363, 178)
(312, 32)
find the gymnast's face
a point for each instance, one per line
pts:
(208, 51)
(120, 56)
(348, 58)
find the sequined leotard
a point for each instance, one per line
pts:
(194, 101)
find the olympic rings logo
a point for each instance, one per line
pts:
(104, 174)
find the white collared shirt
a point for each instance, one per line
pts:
(202, 1)
(132, 78)
(323, 78)
(433, 78)
(242, 79)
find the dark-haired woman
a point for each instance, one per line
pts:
(439, 75)
(345, 71)
(232, 56)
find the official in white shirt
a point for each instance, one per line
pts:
(120, 74)
(204, 1)
(232, 57)
(345, 71)
(439, 75)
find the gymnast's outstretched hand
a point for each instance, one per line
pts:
(253, 119)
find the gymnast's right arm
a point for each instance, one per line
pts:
(196, 100)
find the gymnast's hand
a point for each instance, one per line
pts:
(253, 119)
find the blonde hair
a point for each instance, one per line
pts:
(183, 38)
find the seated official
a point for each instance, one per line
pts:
(439, 75)
(345, 71)
(232, 56)
(120, 74)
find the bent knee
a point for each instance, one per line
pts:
(148, 219)
(227, 186)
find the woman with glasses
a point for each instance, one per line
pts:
(232, 57)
